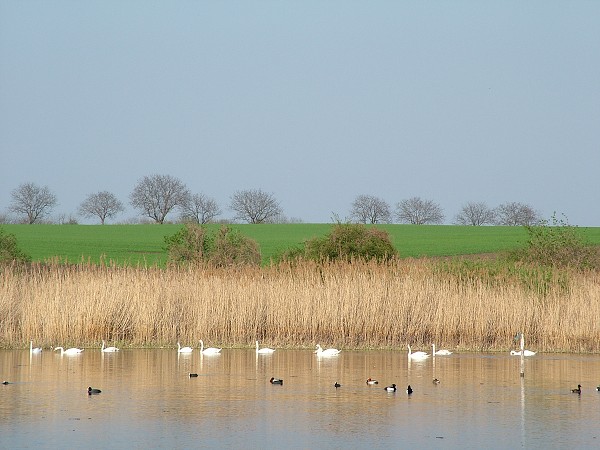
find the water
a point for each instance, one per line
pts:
(149, 401)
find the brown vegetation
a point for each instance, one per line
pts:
(357, 305)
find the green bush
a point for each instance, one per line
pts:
(193, 244)
(9, 250)
(346, 242)
(557, 244)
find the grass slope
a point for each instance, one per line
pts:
(144, 244)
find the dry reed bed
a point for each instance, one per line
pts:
(356, 305)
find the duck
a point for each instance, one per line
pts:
(92, 391)
(337, 385)
(391, 388)
(598, 388)
(525, 353)
(417, 356)
(436, 381)
(329, 352)
(264, 351)
(409, 390)
(208, 350)
(69, 351)
(108, 349)
(193, 375)
(441, 352)
(5, 382)
(371, 381)
(276, 381)
(576, 390)
(35, 350)
(181, 349)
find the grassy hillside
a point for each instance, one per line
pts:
(144, 244)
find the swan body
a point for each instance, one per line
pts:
(329, 352)
(264, 351)
(409, 390)
(108, 349)
(417, 356)
(181, 349)
(525, 353)
(441, 352)
(34, 350)
(92, 391)
(69, 351)
(391, 388)
(276, 381)
(208, 350)
(371, 381)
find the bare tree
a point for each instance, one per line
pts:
(475, 213)
(157, 195)
(200, 209)
(418, 211)
(255, 206)
(370, 209)
(103, 205)
(32, 201)
(516, 214)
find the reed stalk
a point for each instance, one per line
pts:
(348, 305)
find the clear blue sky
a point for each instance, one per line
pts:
(315, 102)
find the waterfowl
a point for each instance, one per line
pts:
(93, 391)
(181, 349)
(417, 356)
(108, 349)
(409, 390)
(598, 388)
(69, 351)
(577, 390)
(34, 350)
(337, 385)
(441, 352)
(436, 381)
(525, 353)
(264, 351)
(276, 381)
(329, 352)
(208, 350)
(193, 375)
(371, 381)
(391, 388)
(5, 382)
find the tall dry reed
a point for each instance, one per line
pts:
(355, 305)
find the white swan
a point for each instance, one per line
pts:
(441, 352)
(208, 350)
(108, 349)
(34, 350)
(525, 353)
(329, 352)
(417, 356)
(181, 349)
(264, 351)
(69, 351)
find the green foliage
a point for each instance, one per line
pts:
(346, 242)
(9, 250)
(194, 244)
(557, 244)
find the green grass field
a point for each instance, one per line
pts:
(144, 244)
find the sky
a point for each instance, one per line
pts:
(315, 102)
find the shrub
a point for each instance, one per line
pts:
(9, 250)
(347, 242)
(193, 244)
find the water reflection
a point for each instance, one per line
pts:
(149, 400)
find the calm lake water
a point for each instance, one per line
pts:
(149, 401)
